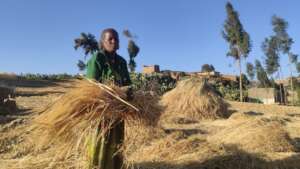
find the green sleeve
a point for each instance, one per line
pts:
(93, 68)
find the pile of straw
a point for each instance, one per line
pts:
(169, 148)
(194, 98)
(255, 135)
(78, 114)
(138, 136)
(240, 116)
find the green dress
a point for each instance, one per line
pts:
(104, 150)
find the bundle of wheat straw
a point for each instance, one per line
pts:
(255, 135)
(194, 98)
(90, 105)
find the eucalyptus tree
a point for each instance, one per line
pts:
(238, 39)
(261, 75)
(250, 70)
(277, 45)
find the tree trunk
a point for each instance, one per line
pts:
(292, 89)
(241, 85)
(281, 88)
(292, 85)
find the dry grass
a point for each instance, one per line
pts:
(246, 140)
(138, 136)
(264, 108)
(78, 113)
(194, 153)
(251, 143)
(168, 148)
(137, 133)
(46, 159)
(244, 116)
(255, 135)
(194, 98)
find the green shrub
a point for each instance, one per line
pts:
(157, 83)
(229, 90)
(31, 76)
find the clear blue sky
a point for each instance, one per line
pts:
(36, 36)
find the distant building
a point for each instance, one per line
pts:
(147, 69)
(214, 74)
(8, 76)
(229, 77)
(285, 82)
(204, 74)
(265, 95)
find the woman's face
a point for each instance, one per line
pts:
(110, 42)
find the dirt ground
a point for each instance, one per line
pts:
(185, 143)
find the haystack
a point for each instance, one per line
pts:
(194, 98)
(78, 114)
(255, 135)
(244, 116)
(169, 148)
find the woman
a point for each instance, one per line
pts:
(106, 66)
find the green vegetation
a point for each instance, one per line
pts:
(230, 89)
(250, 70)
(157, 83)
(261, 75)
(207, 68)
(160, 84)
(238, 39)
(269, 47)
(30, 76)
(279, 44)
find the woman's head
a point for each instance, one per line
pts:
(109, 41)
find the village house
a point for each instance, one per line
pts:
(264, 95)
(148, 69)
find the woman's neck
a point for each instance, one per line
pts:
(110, 54)
(111, 57)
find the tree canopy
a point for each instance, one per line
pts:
(207, 68)
(261, 75)
(250, 70)
(235, 35)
